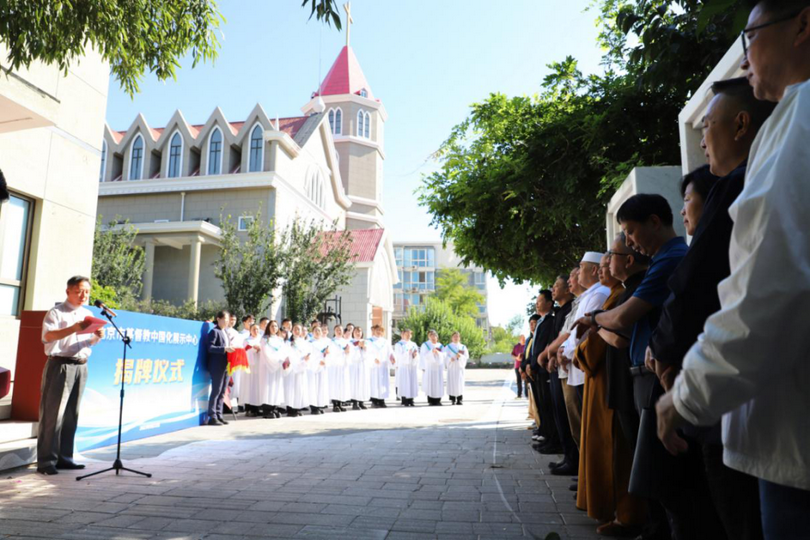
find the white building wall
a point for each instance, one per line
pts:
(58, 168)
(356, 307)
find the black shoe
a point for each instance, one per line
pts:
(565, 470)
(277, 413)
(322, 411)
(50, 470)
(355, 406)
(382, 404)
(213, 422)
(341, 408)
(222, 420)
(555, 464)
(453, 400)
(69, 465)
(573, 487)
(362, 406)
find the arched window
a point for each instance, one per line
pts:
(363, 93)
(338, 129)
(256, 150)
(361, 120)
(332, 120)
(103, 160)
(215, 152)
(175, 156)
(136, 159)
(367, 126)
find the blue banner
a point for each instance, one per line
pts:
(165, 380)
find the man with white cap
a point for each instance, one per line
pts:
(591, 300)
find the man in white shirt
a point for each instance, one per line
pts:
(64, 377)
(760, 329)
(592, 299)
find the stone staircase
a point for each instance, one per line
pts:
(18, 443)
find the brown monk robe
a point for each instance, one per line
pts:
(603, 494)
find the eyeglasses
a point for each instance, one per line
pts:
(760, 27)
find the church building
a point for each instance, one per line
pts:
(174, 182)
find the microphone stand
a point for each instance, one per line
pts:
(117, 465)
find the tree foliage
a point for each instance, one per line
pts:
(317, 263)
(250, 270)
(524, 181)
(133, 35)
(453, 288)
(438, 315)
(118, 264)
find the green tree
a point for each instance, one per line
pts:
(251, 269)
(132, 35)
(317, 263)
(438, 315)
(538, 171)
(118, 264)
(503, 340)
(453, 288)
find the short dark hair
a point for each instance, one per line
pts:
(534, 317)
(76, 280)
(643, 206)
(741, 91)
(263, 319)
(405, 330)
(246, 317)
(702, 181)
(545, 293)
(286, 320)
(564, 279)
(778, 7)
(222, 313)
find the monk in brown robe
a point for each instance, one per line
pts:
(600, 493)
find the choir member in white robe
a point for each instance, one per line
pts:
(250, 380)
(406, 354)
(432, 358)
(383, 359)
(457, 356)
(270, 374)
(296, 390)
(359, 370)
(339, 386)
(321, 358)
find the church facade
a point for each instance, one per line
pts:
(175, 183)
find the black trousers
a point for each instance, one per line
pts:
(218, 367)
(62, 388)
(735, 495)
(522, 386)
(548, 426)
(558, 410)
(689, 506)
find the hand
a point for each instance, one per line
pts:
(669, 420)
(323, 363)
(347, 350)
(522, 376)
(529, 371)
(306, 358)
(435, 352)
(413, 354)
(326, 352)
(229, 349)
(81, 325)
(257, 348)
(99, 334)
(666, 374)
(552, 364)
(649, 361)
(377, 361)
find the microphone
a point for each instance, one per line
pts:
(99, 304)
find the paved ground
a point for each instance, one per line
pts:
(395, 473)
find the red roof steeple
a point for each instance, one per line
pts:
(345, 77)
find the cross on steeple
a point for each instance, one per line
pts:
(348, 8)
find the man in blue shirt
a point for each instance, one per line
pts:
(646, 221)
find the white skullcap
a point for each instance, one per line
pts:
(592, 257)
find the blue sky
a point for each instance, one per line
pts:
(426, 60)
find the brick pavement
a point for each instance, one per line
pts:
(395, 474)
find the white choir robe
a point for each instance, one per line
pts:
(407, 366)
(237, 341)
(338, 368)
(432, 365)
(380, 365)
(319, 373)
(271, 372)
(296, 389)
(457, 356)
(250, 379)
(359, 373)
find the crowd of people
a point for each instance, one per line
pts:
(272, 369)
(672, 377)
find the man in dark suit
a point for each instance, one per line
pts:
(544, 306)
(217, 358)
